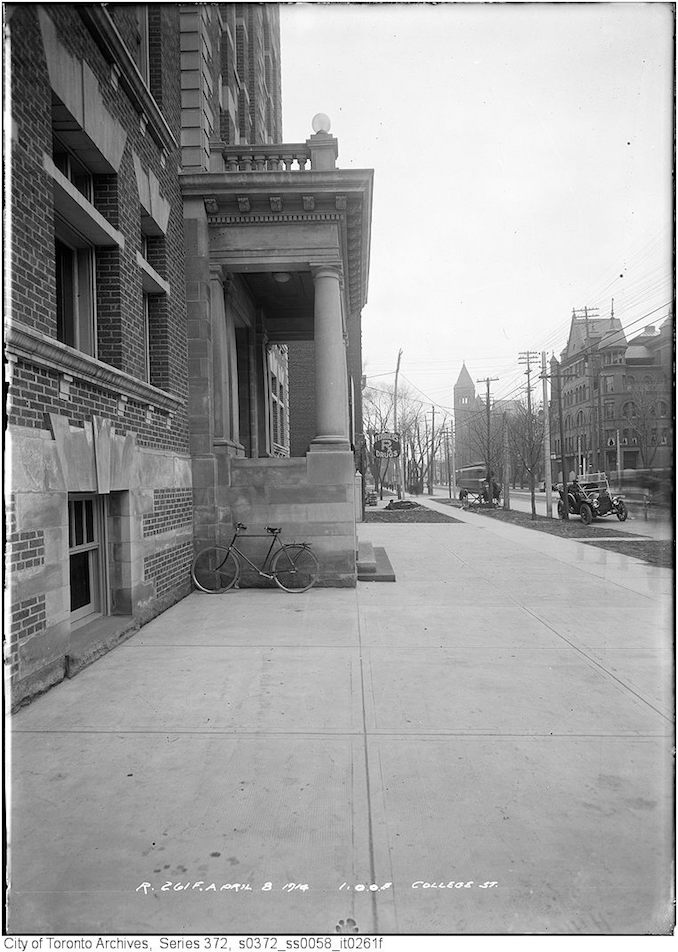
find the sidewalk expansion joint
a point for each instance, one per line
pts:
(600, 666)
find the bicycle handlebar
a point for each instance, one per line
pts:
(273, 530)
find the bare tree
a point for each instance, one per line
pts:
(526, 438)
(418, 442)
(477, 437)
(377, 410)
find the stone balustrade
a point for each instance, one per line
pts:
(266, 158)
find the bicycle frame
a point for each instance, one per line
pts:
(256, 535)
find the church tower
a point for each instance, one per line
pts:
(464, 405)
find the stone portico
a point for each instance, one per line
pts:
(277, 256)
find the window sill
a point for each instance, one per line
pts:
(78, 212)
(151, 281)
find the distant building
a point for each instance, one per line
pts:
(470, 420)
(616, 397)
(467, 408)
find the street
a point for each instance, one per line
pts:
(254, 762)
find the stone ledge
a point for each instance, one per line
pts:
(26, 689)
(37, 348)
(96, 639)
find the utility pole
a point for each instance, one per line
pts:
(547, 439)
(487, 381)
(447, 454)
(565, 506)
(395, 425)
(526, 357)
(454, 459)
(431, 474)
(507, 463)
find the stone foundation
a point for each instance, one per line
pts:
(310, 498)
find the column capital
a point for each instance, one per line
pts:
(327, 271)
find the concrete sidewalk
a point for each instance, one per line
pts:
(501, 714)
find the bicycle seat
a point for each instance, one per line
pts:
(273, 530)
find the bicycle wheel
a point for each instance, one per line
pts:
(295, 568)
(215, 570)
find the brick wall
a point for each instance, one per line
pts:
(301, 357)
(169, 568)
(25, 550)
(171, 508)
(26, 618)
(34, 385)
(35, 392)
(120, 327)
(32, 249)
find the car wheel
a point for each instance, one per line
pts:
(622, 511)
(561, 510)
(586, 514)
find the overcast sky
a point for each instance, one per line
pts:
(522, 157)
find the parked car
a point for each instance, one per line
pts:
(591, 499)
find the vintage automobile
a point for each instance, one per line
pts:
(591, 499)
(474, 487)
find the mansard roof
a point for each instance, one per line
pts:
(593, 330)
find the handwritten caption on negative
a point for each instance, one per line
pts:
(211, 887)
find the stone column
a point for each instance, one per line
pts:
(220, 367)
(330, 363)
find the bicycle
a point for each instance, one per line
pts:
(293, 567)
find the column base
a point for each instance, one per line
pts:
(329, 444)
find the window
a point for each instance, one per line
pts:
(608, 385)
(75, 171)
(629, 410)
(75, 296)
(84, 555)
(609, 411)
(147, 338)
(274, 408)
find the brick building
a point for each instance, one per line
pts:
(165, 260)
(616, 397)
(100, 504)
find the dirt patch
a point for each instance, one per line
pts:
(418, 514)
(653, 551)
(570, 529)
(658, 552)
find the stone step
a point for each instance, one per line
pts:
(366, 559)
(383, 570)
